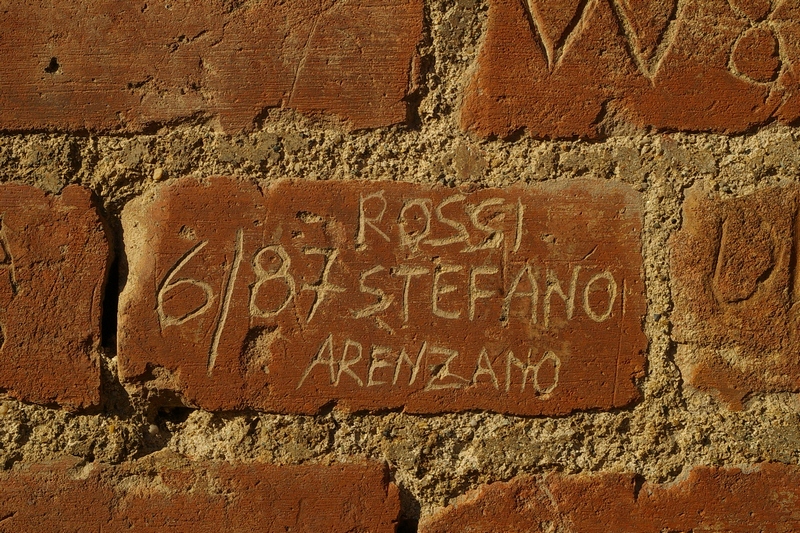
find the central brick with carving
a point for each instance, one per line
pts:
(525, 300)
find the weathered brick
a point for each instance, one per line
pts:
(561, 69)
(734, 281)
(106, 65)
(763, 498)
(53, 260)
(207, 497)
(524, 300)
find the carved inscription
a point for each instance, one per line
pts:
(387, 295)
(569, 68)
(647, 27)
(555, 24)
(756, 53)
(735, 281)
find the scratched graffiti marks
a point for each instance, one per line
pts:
(736, 280)
(649, 26)
(756, 56)
(554, 24)
(580, 68)
(376, 296)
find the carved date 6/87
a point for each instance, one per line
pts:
(380, 295)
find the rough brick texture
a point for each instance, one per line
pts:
(53, 260)
(124, 66)
(524, 300)
(565, 69)
(735, 281)
(69, 497)
(709, 499)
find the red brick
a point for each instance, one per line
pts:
(562, 69)
(734, 281)
(53, 261)
(124, 66)
(69, 497)
(763, 498)
(230, 335)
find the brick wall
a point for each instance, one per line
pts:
(399, 265)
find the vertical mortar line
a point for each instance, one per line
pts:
(230, 283)
(718, 257)
(794, 275)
